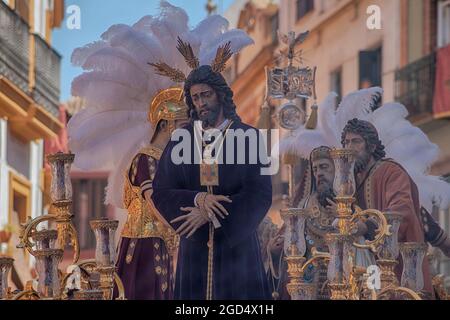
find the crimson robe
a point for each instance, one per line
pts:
(389, 187)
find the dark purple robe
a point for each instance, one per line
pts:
(238, 267)
(149, 275)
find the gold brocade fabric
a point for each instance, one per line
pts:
(142, 220)
(318, 226)
(316, 229)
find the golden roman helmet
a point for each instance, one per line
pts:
(168, 105)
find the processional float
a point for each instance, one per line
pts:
(93, 279)
(345, 279)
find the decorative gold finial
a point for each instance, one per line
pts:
(223, 54)
(186, 51)
(211, 7)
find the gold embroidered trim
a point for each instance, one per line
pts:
(158, 270)
(368, 186)
(152, 151)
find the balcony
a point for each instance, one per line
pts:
(48, 74)
(15, 61)
(14, 47)
(414, 87)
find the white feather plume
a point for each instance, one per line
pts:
(117, 178)
(103, 90)
(116, 60)
(325, 124)
(211, 28)
(405, 143)
(118, 85)
(238, 40)
(80, 55)
(113, 31)
(95, 128)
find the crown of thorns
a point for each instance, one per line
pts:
(223, 54)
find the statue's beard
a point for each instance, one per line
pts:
(323, 195)
(209, 119)
(362, 162)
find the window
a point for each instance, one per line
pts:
(370, 68)
(444, 23)
(88, 204)
(20, 199)
(18, 153)
(23, 9)
(303, 7)
(336, 83)
(19, 210)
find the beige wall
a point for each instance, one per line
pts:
(415, 29)
(338, 33)
(260, 36)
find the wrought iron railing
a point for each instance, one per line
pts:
(48, 69)
(14, 47)
(15, 60)
(414, 86)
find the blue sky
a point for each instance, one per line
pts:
(98, 15)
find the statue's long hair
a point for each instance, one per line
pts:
(369, 133)
(205, 75)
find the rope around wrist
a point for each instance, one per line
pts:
(201, 205)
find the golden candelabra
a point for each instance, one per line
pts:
(104, 231)
(295, 249)
(293, 82)
(87, 280)
(346, 280)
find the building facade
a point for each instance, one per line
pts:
(400, 55)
